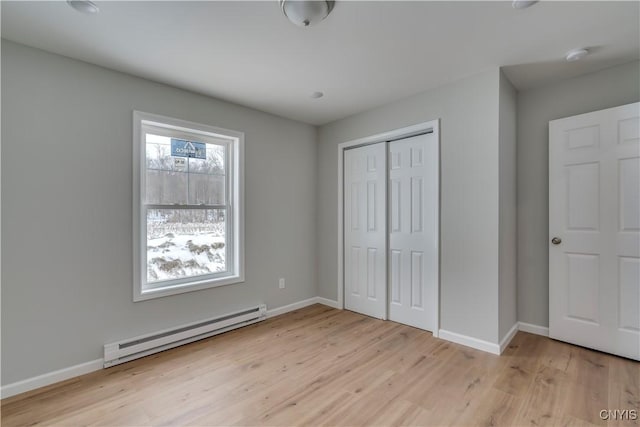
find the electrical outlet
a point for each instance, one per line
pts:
(281, 283)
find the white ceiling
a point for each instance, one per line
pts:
(365, 54)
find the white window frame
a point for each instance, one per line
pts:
(234, 215)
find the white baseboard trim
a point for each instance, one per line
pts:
(507, 338)
(50, 378)
(301, 304)
(487, 346)
(533, 329)
(291, 307)
(490, 347)
(328, 302)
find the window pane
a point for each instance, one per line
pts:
(206, 189)
(177, 179)
(185, 243)
(158, 151)
(213, 164)
(166, 188)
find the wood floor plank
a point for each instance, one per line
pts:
(319, 366)
(590, 387)
(523, 362)
(624, 390)
(546, 400)
(495, 408)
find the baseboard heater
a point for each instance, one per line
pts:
(134, 348)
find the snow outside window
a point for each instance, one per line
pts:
(187, 206)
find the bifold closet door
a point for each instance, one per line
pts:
(413, 227)
(365, 240)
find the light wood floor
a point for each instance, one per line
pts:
(320, 366)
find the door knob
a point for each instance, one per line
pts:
(556, 240)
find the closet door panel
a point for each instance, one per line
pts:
(413, 230)
(365, 232)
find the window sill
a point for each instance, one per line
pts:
(185, 287)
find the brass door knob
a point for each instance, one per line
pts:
(556, 240)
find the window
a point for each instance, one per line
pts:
(187, 198)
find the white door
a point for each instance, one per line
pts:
(594, 225)
(413, 227)
(365, 234)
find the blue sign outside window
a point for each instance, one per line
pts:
(183, 148)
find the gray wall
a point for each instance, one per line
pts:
(66, 210)
(468, 110)
(604, 89)
(507, 235)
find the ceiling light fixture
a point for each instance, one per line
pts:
(84, 6)
(576, 54)
(306, 13)
(523, 4)
(316, 95)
